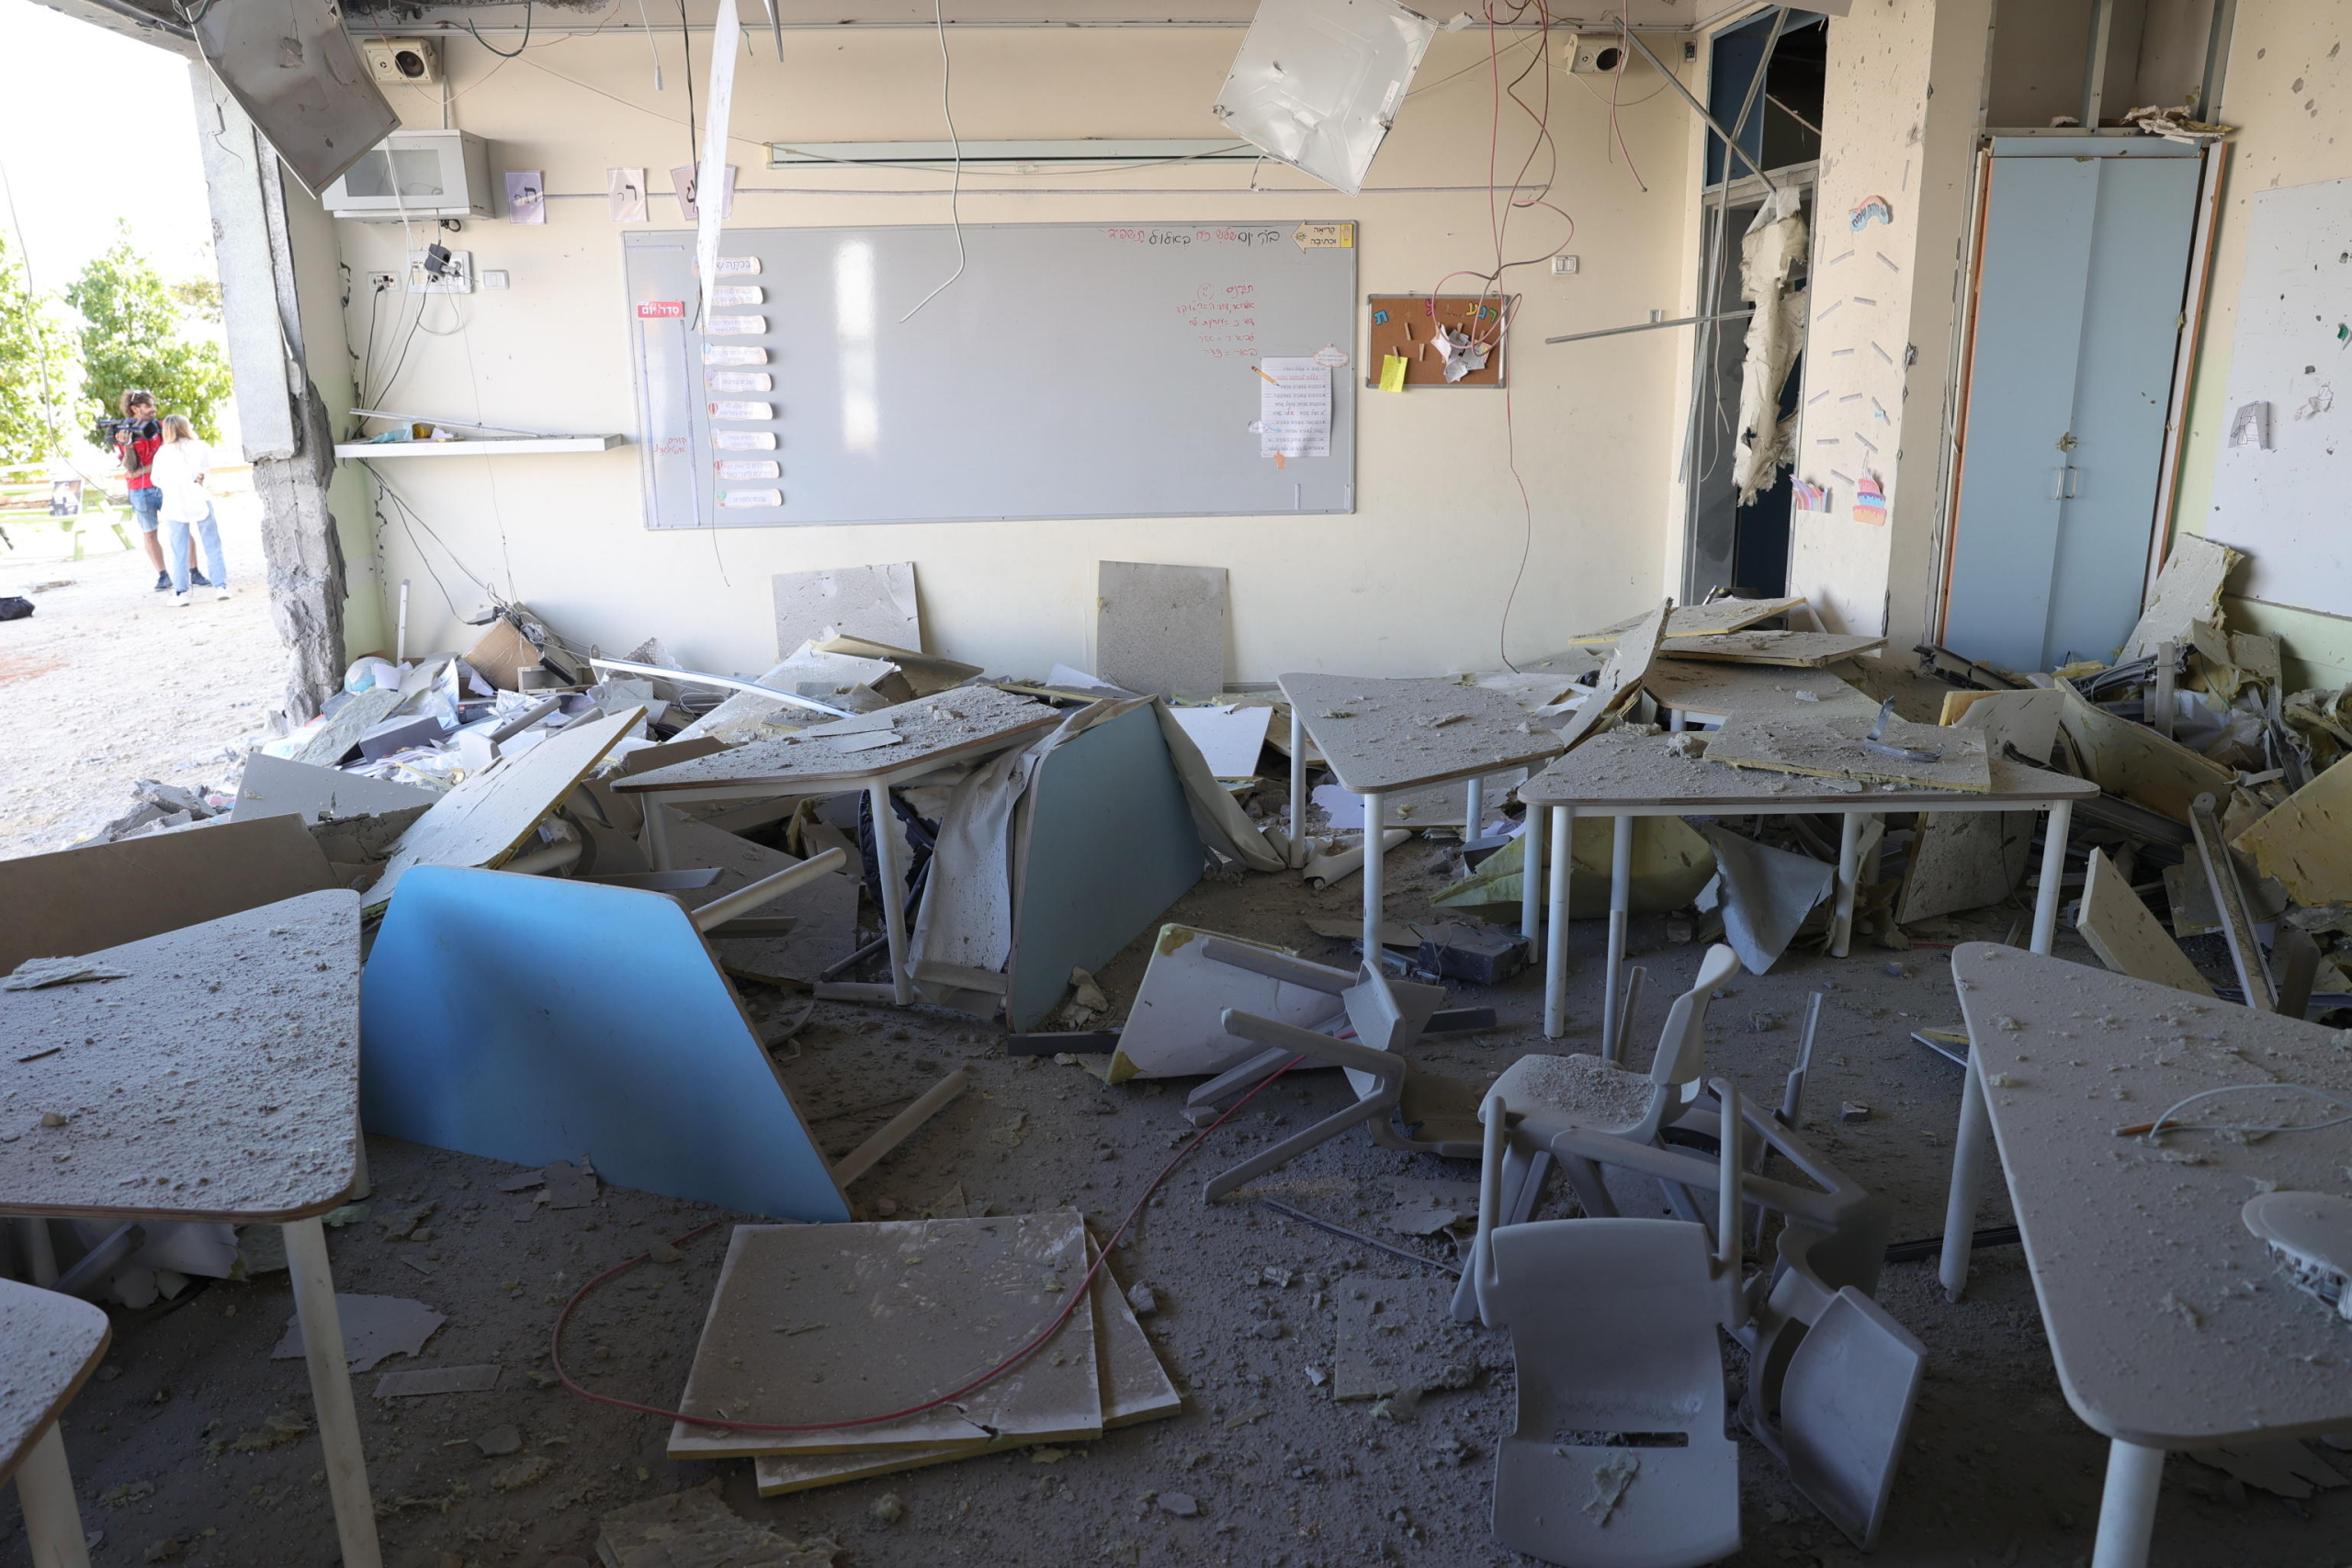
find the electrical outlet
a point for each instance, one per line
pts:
(383, 280)
(453, 275)
(493, 277)
(1564, 267)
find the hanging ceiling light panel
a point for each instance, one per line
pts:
(1318, 82)
(299, 78)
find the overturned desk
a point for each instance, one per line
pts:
(1379, 737)
(2172, 1326)
(871, 751)
(209, 1075)
(1625, 777)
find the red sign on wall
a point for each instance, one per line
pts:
(661, 309)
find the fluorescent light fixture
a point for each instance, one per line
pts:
(1044, 154)
(1318, 82)
(300, 80)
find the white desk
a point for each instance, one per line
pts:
(1378, 737)
(50, 1344)
(957, 726)
(1625, 777)
(2170, 1322)
(236, 1104)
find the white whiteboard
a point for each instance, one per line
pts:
(1074, 371)
(2286, 506)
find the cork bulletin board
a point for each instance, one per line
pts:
(1401, 324)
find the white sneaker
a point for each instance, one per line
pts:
(221, 592)
(181, 600)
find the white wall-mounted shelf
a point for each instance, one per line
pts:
(479, 447)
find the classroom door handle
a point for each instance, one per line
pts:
(2062, 482)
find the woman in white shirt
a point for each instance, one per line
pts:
(179, 468)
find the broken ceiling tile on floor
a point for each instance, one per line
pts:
(695, 1530)
(373, 1328)
(980, 1288)
(2307, 842)
(274, 786)
(2189, 588)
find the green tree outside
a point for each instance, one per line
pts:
(43, 411)
(130, 337)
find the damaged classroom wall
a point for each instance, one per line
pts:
(1892, 207)
(2289, 93)
(1414, 580)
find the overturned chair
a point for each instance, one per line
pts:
(1833, 1378)
(1413, 1111)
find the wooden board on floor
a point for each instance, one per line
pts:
(76, 901)
(1702, 620)
(811, 1323)
(2126, 937)
(487, 818)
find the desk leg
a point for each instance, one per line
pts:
(41, 1252)
(1297, 790)
(1474, 809)
(1375, 866)
(355, 1511)
(656, 837)
(1849, 870)
(52, 1522)
(1970, 1149)
(1531, 878)
(2127, 1510)
(1556, 942)
(2051, 889)
(894, 889)
(361, 1185)
(1621, 905)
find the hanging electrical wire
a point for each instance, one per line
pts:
(956, 191)
(529, 6)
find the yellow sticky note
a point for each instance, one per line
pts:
(1392, 373)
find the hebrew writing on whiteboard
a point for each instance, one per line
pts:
(1294, 409)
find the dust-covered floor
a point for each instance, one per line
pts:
(108, 680)
(1999, 1471)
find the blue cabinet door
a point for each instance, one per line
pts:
(2080, 286)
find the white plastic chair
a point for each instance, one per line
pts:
(1619, 1458)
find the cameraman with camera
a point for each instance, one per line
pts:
(136, 436)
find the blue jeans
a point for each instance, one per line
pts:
(176, 551)
(145, 506)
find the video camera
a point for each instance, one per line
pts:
(113, 433)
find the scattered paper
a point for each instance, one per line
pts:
(1295, 406)
(373, 1328)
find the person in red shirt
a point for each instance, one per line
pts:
(135, 440)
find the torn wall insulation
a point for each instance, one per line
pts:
(1317, 83)
(1770, 252)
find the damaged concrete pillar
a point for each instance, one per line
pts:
(281, 417)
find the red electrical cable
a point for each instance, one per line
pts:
(1031, 1348)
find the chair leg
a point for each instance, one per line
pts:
(1297, 1143)
(52, 1521)
(1591, 1191)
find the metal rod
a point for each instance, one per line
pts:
(727, 906)
(524, 720)
(697, 678)
(1700, 109)
(899, 1128)
(1303, 1217)
(549, 857)
(2229, 899)
(1653, 326)
(1375, 855)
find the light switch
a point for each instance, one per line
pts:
(493, 277)
(1562, 266)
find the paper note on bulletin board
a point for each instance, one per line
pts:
(1404, 325)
